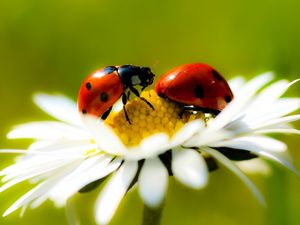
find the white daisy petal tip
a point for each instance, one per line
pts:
(281, 160)
(190, 168)
(10, 135)
(15, 133)
(153, 182)
(58, 106)
(255, 166)
(71, 214)
(6, 213)
(269, 75)
(294, 82)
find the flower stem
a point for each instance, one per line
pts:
(152, 216)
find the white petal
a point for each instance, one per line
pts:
(33, 172)
(41, 160)
(27, 166)
(256, 83)
(48, 130)
(60, 107)
(49, 145)
(275, 122)
(149, 147)
(233, 168)
(29, 196)
(253, 143)
(41, 144)
(77, 180)
(24, 208)
(277, 109)
(236, 107)
(113, 192)
(42, 189)
(236, 83)
(39, 190)
(278, 130)
(66, 183)
(153, 182)
(255, 166)
(71, 213)
(186, 132)
(104, 136)
(190, 168)
(207, 137)
(267, 97)
(276, 158)
(39, 201)
(13, 151)
(154, 144)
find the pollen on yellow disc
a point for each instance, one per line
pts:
(146, 122)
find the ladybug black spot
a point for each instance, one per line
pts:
(199, 92)
(88, 86)
(216, 75)
(83, 111)
(227, 98)
(104, 97)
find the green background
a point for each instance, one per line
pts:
(51, 45)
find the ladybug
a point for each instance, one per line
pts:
(196, 86)
(101, 89)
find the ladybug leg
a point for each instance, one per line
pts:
(148, 103)
(124, 101)
(137, 94)
(128, 95)
(106, 114)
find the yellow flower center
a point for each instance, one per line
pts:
(146, 122)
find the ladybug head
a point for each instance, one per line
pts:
(135, 75)
(146, 76)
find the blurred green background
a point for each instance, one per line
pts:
(52, 45)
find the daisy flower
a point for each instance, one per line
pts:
(75, 155)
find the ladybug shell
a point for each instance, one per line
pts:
(98, 92)
(195, 84)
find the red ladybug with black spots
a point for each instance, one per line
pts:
(101, 89)
(196, 86)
